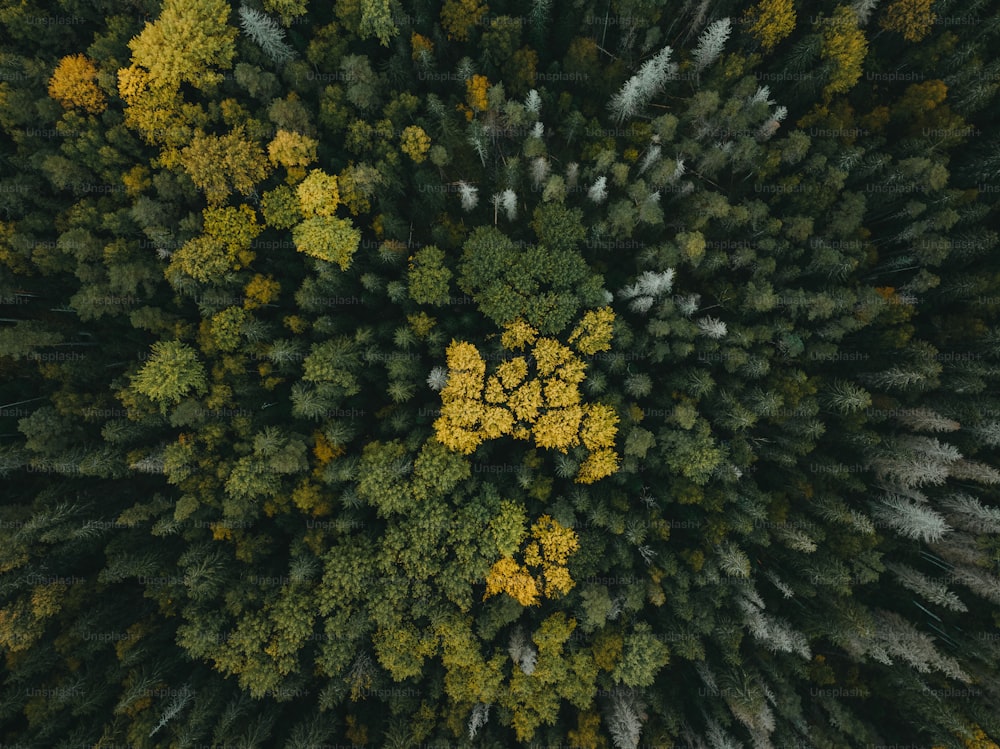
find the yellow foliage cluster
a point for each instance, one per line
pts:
(421, 46)
(73, 84)
(911, 18)
(152, 107)
(136, 180)
(507, 576)
(308, 497)
(846, 45)
(546, 554)
(219, 164)
(517, 335)
(225, 244)
(475, 92)
(594, 331)
(290, 149)
(324, 450)
(260, 290)
(318, 194)
(459, 16)
(586, 735)
(415, 143)
(421, 324)
(979, 740)
(770, 21)
(547, 407)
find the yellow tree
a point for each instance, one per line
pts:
(219, 164)
(414, 142)
(507, 576)
(543, 572)
(154, 108)
(318, 194)
(476, 89)
(845, 45)
(458, 17)
(911, 18)
(328, 238)
(593, 333)
(770, 21)
(223, 246)
(291, 150)
(74, 85)
(546, 407)
(186, 41)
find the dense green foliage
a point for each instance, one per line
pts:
(399, 374)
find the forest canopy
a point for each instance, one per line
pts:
(496, 373)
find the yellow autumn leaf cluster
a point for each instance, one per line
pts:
(260, 290)
(547, 407)
(74, 84)
(913, 19)
(289, 149)
(318, 194)
(421, 46)
(845, 44)
(770, 21)
(458, 17)
(594, 331)
(475, 90)
(544, 571)
(414, 142)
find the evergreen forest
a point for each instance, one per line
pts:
(577, 374)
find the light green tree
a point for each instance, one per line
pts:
(172, 372)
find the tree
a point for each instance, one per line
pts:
(593, 333)
(711, 42)
(638, 90)
(911, 18)
(290, 149)
(172, 372)
(280, 207)
(73, 84)
(770, 21)
(376, 20)
(266, 33)
(414, 142)
(224, 245)
(910, 519)
(458, 17)
(318, 194)
(287, 9)
(508, 282)
(845, 45)
(384, 471)
(557, 227)
(644, 655)
(428, 276)
(327, 238)
(534, 696)
(476, 88)
(219, 164)
(185, 42)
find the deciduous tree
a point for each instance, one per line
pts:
(74, 84)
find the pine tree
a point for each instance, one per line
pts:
(266, 33)
(468, 195)
(910, 519)
(624, 716)
(710, 44)
(638, 90)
